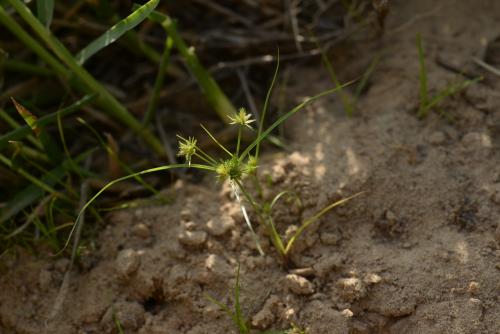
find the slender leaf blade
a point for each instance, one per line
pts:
(45, 11)
(116, 31)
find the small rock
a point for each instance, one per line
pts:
(218, 265)
(141, 230)
(351, 288)
(130, 315)
(329, 238)
(391, 217)
(219, 225)
(299, 285)
(265, 317)
(127, 262)
(372, 279)
(192, 238)
(44, 279)
(473, 288)
(436, 138)
(475, 139)
(347, 313)
(305, 272)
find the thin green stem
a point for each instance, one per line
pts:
(153, 103)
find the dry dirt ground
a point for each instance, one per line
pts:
(418, 252)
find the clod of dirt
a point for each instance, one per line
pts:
(322, 318)
(370, 279)
(141, 230)
(351, 288)
(266, 316)
(473, 288)
(476, 140)
(437, 138)
(220, 225)
(127, 262)
(329, 238)
(192, 238)
(299, 285)
(44, 279)
(327, 264)
(62, 265)
(130, 315)
(495, 196)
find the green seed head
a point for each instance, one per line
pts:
(251, 165)
(242, 118)
(187, 148)
(231, 169)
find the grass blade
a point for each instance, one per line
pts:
(286, 116)
(45, 11)
(24, 131)
(314, 218)
(266, 103)
(213, 93)
(116, 31)
(134, 175)
(33, 192)
(153, 103)
(86, 82)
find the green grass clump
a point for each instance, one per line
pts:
(427, 103)
(241, 164)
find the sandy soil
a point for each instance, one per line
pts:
(419, 252)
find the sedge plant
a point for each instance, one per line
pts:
(237, 316)
(427, 101)
(236, 167)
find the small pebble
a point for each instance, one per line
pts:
(306, 272)
(219, 225)
(218, 265)
(141, 230)
(475, 139)
(473, 288)
(127, 262)
(192, 238)
(436, 138)
(347, 313)
(351, 288)
(372, 279)
(391, 217)
(299, 285)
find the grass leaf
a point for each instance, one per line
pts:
(24, 131)
(116, 31)
(45, 11)
(286, 116)
(28, 117)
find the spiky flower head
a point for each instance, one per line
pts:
(251, 165)
(242, 118)
(187, 148)
(232, 169)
